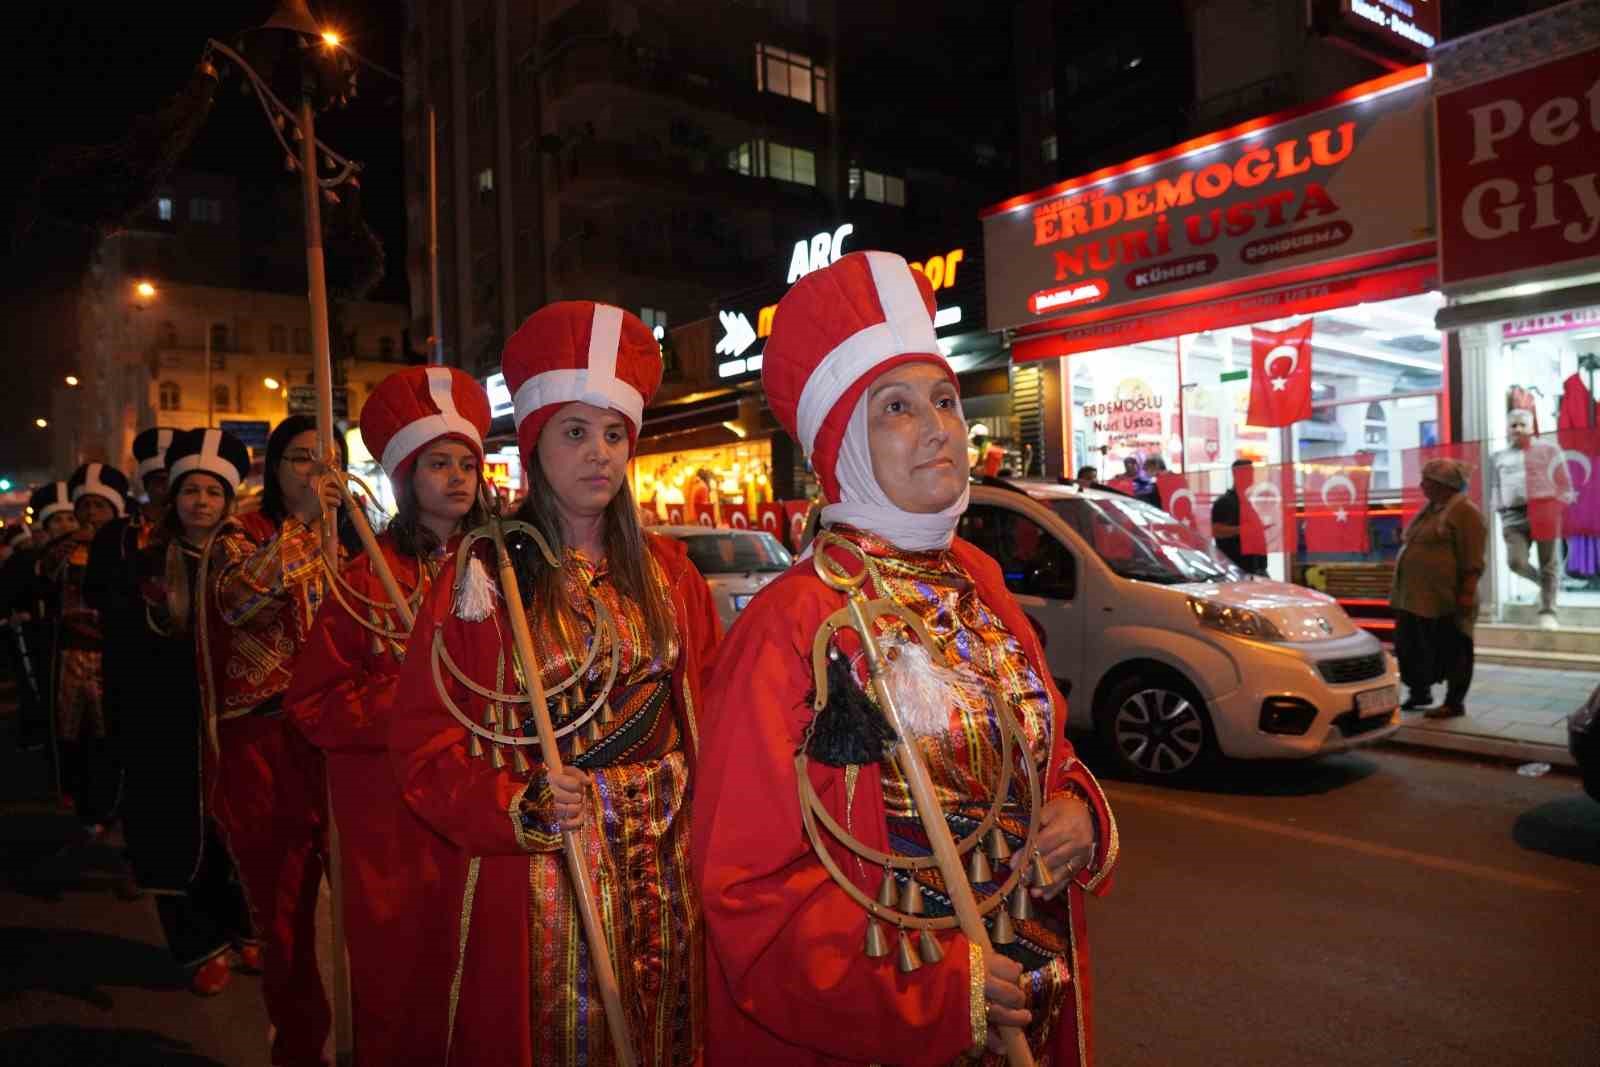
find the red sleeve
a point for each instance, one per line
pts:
(342, 689)
(699, 631)
(786, 939)
(465, 798)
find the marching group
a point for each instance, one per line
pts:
(258, 699)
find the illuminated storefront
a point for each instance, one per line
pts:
(1149, 283)
(1519, 234)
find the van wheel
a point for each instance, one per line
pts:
(1156, 726)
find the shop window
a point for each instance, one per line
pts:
(1032, 561)
(277, 339)
(793, 75)
(169, 396)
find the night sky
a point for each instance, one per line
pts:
(81, 73)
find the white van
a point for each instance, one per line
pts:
(1165, 648)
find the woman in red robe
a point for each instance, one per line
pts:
(265, 580)
(852, 370)
(426, 424)
(621, 624)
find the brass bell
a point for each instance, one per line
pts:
(928, 947)
(513, 724)
(605, 714)
(978, 870)
(1041, 874)
(999, 847)
(877, 945)
(578, 744)
(1021, 903)
(491, 717)
(886, 890)
(1003, 933)
(497, 757)
(475, 746)
(907, 958)
(911, 897)
(591, 729)
(519, 760)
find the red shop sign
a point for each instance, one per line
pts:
(1519, 173)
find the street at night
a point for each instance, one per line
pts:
(1386, 907)
(801, 533)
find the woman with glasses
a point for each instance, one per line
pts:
(621, 622)
(426, 425)
(265, 581)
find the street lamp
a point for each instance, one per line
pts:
(271, 383)
(72, 380)
(330, 38)
(42, 423)
(145, 290)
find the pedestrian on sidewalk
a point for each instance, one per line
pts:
(1435, 592)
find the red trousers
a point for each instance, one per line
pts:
(269, 795)
(402, 912)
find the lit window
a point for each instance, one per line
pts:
(879, 188)
(169, 396)
(1047, 149)
(791, 74)
(164, 208)
(485, 183)
(760, 159)
(655, 318)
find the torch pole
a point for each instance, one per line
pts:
(436, 341)
(322, 370)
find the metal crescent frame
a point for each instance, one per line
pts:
(341, 588)
(605, 632)
(1012, 741)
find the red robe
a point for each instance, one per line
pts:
(263, 781)
(788, 981)
(398, 874)
(494, 995)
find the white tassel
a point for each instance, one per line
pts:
(474, 593)
(925, 692)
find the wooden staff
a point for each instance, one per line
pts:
(577, 874)
(376, 559)
(909, 759)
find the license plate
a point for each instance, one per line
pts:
(1377, 701)
(741, 599)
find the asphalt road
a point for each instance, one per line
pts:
(1375, 909)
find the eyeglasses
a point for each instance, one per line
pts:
(300, 458)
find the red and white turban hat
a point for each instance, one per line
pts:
(414, 407)
(580, 351)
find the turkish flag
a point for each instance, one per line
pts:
(1266, 500)
(738, 518)
(1280, 376)
(1336, 503)
(769, 517)
(794, 512)
(705, 516)
(675, 514)
(1547, 470)
(1186, 498)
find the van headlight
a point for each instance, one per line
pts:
(1240, 622)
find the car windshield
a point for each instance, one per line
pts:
(1145, 543)
(730, 552)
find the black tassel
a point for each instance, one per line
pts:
(849, 729)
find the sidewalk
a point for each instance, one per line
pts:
(1513, 713)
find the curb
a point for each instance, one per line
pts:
(1499, 749)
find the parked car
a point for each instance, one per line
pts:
(736, 563)
(1166, 649)
(1583, 741)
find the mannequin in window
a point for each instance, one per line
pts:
(1531, 485)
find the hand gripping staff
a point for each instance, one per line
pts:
(594, 934)
(348, 598)
(860, 614)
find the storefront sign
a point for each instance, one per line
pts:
(1519, 174)
(746, 325)
(1245, 204)
(1555, 323)
(1407, 26)
(499, 396)
(1279, 303)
